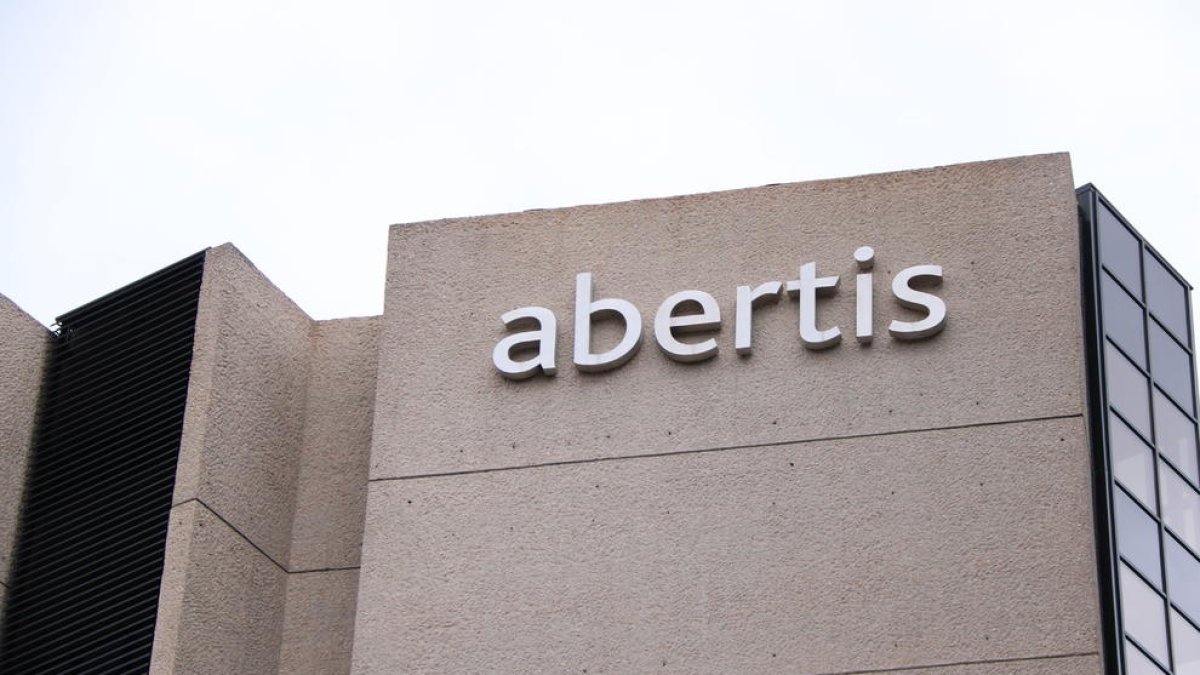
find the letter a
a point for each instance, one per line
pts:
(543, 338)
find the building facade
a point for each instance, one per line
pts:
(933, 421)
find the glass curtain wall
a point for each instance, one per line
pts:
(1144, 432)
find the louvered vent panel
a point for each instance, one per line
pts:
(89, 553)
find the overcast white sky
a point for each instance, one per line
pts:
(135, 133)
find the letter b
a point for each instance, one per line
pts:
(585, 309)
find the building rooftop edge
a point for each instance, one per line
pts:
(816, 181)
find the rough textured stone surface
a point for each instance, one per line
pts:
(276, 442)
(888, 551)
(318, 624)
(221, 603)
(244, 421)
(23, 345)
(332, 489)
(897, 506)
(1004, 231)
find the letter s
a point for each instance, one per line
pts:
(935, 321)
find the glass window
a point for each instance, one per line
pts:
(1136, 662)
(1123, 319)
(1180, 507)
(1133, 462)
(1175, 436)
(1185, 642)
(1127, 388)
(1167, 298)
(1144, 614)
(1137, 537)
(1171, 367)
(1119, 250)
(1182, 572)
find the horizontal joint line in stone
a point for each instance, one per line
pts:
(258, 548)
(956, 664)
(752, 446)
(326, 569)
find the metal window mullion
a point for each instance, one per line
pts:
(1170, 333)
(1158, 460)
(1113, 276)
(1145, 652)
(1105, 487)
(1141, 437)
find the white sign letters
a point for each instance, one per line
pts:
(539, 325)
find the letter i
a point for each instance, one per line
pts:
(865, 255)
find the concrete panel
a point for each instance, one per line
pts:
(331, 493)
(889, 551)
(23, 346)
(221, 603)
(318, 628)
(244, 422)
(172, 590)
(1005, 233)
(276, 441)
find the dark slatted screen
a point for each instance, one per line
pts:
(89, 554)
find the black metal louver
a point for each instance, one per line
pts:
(89, 552)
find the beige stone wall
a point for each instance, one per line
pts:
(331, 499)
(221, 602)
(318, 628)
(244, 423)
(23, 346)
(1004, 232)
(891, 507)
(331, 488)
(270, 490)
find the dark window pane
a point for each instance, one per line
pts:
(1185, 643)
(1180, 507)
(1136, 663)
(1132, 461)
(1123, 319)
(1167, 298)
(1171, 367)
(1175, 436)
(1128, 390)
(1120, 251)
(1137, 538)
(1183, 578)
(1144, 614)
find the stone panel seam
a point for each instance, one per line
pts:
(3, 584)
(326, 569)
(259, 548)
(235, 530)
(752, 446)
(956, 664)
